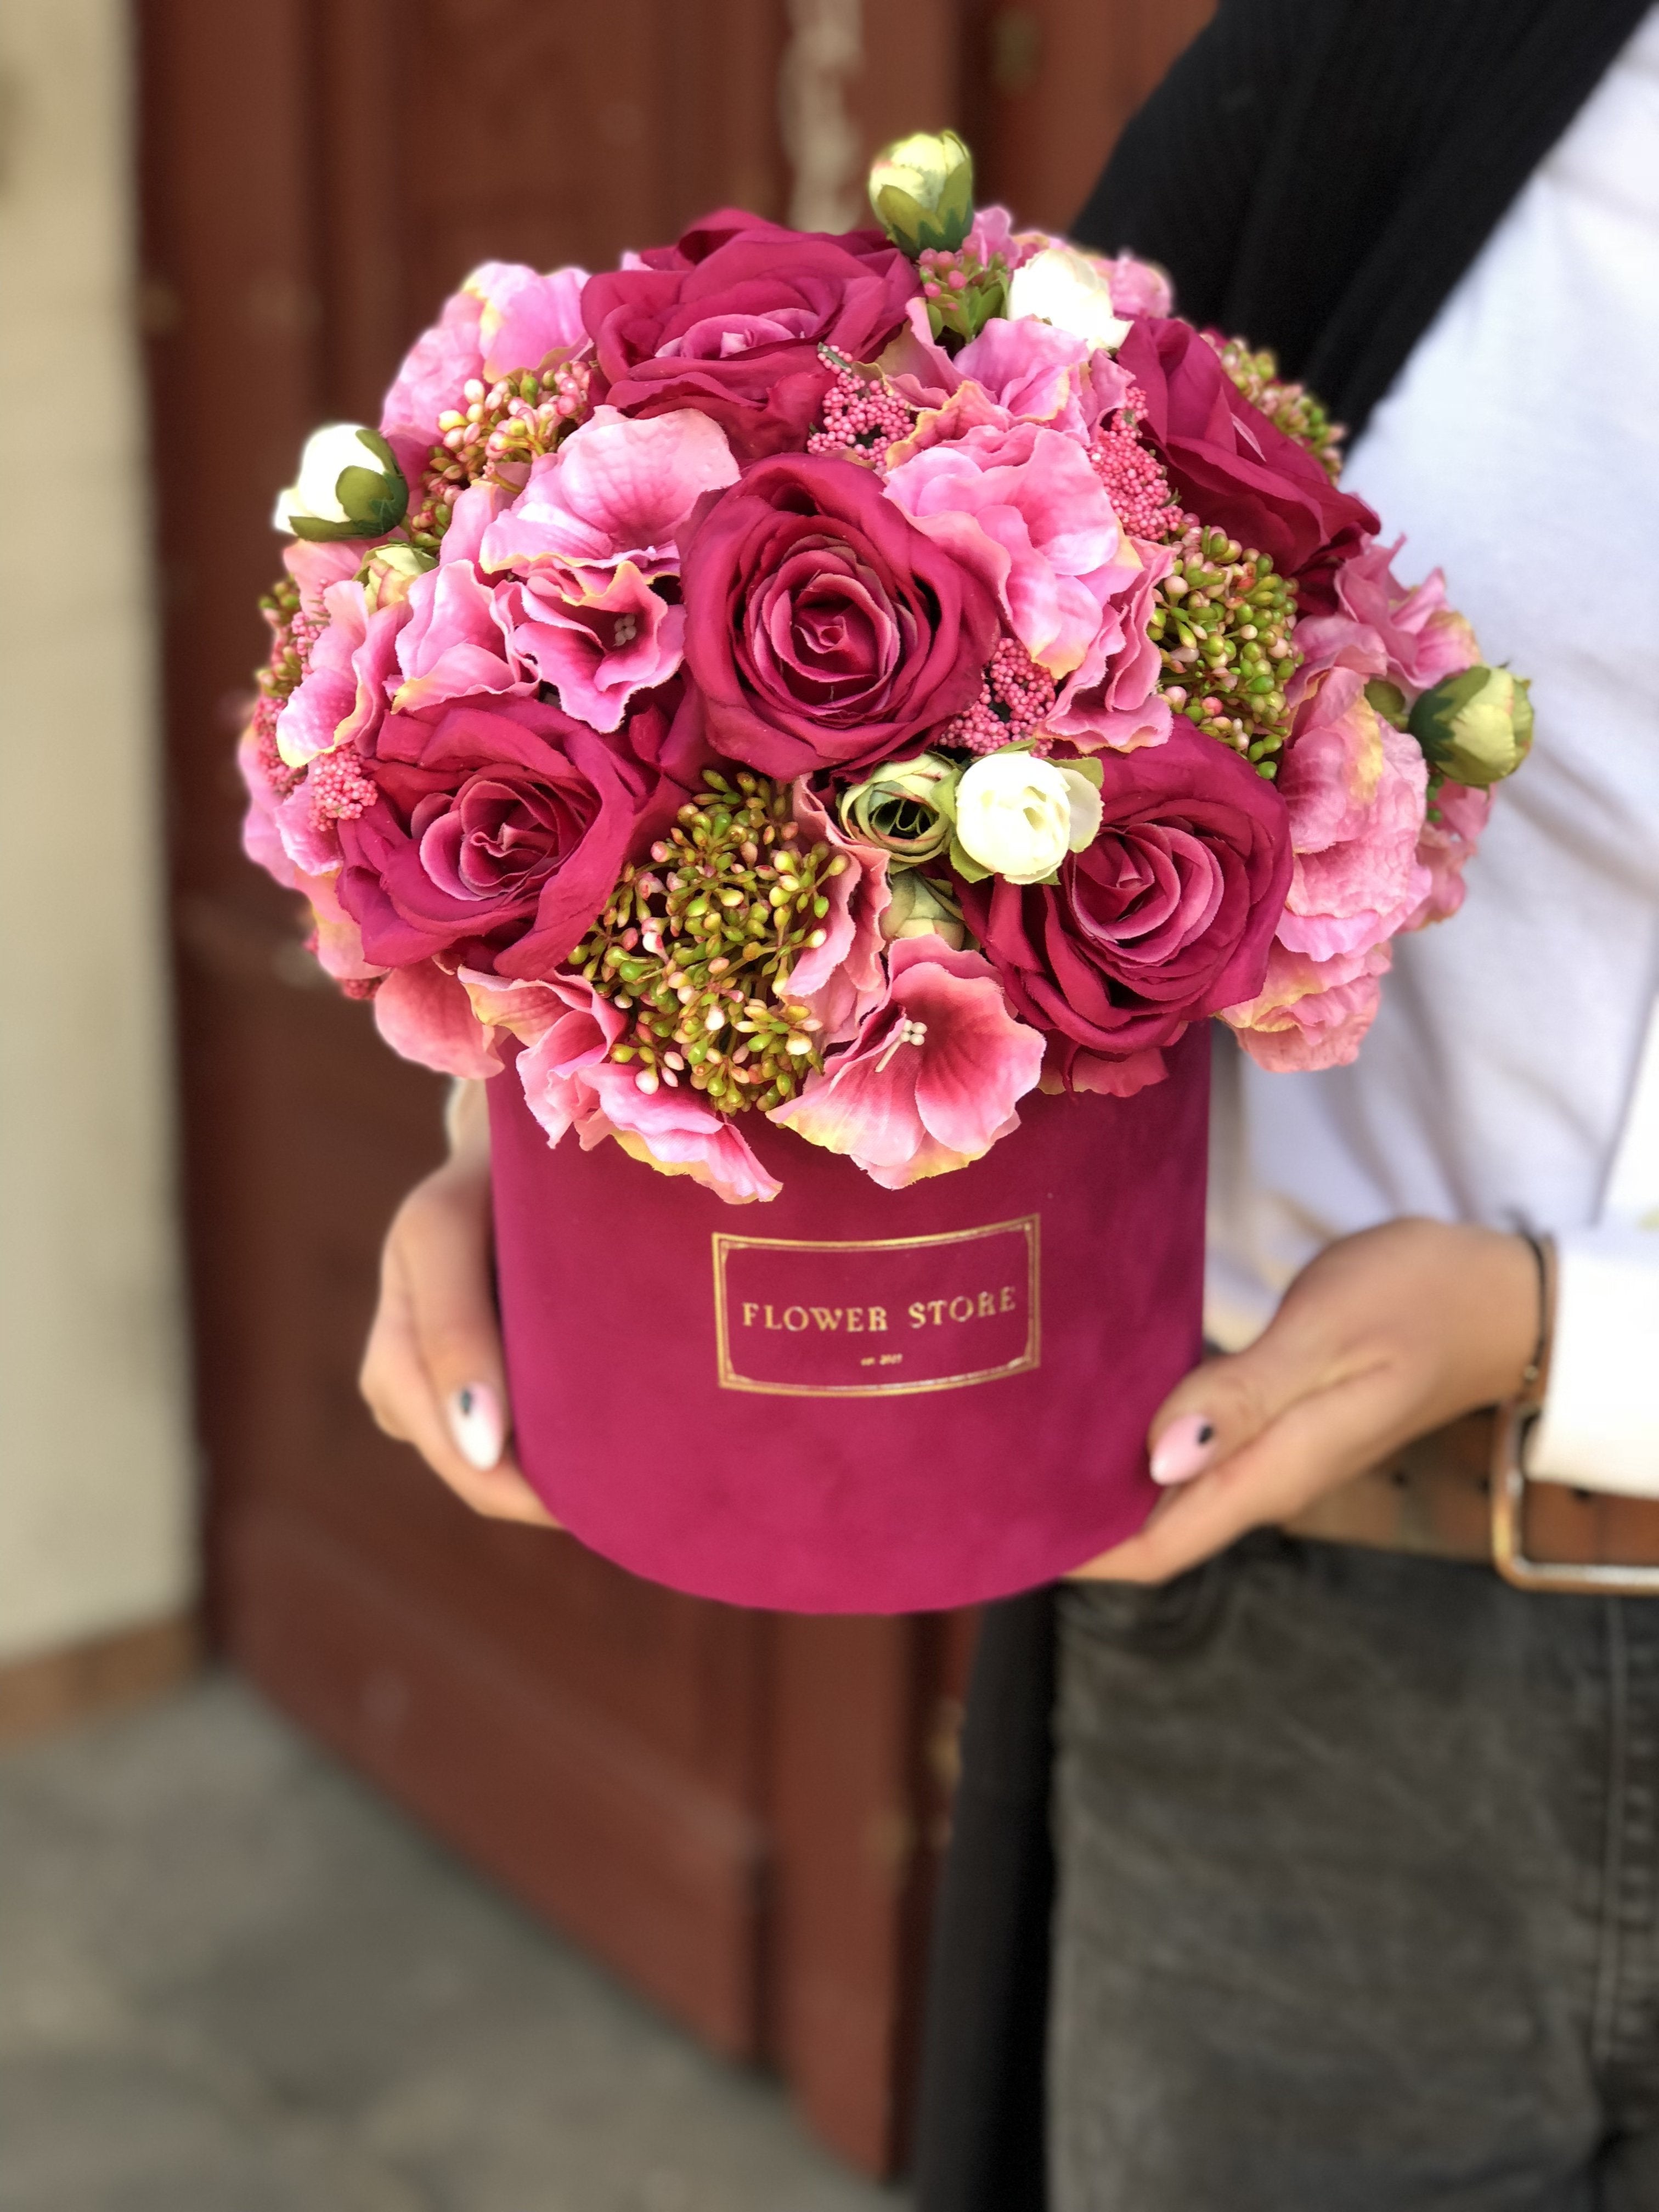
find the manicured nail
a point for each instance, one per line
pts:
(476, 1424)
(1185, 1449)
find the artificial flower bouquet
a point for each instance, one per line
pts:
(813, 715)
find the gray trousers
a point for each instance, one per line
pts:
(1359, 1905)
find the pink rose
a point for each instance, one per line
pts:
(1445, 848)
(1018, 369)
(931, 1079)
(1165, 919)
(1138, 288)
(1311, 1014)
(824, 628)
(731, 319)
(1235, 467)
(501, 832)
(1411, 637)
(1354, 788)
(1025, 512)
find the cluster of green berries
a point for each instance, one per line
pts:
(1222, 621)
(698, 946)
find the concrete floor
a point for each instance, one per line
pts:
(234, 1980)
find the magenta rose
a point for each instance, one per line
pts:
(825, 630)
(731, 319)
(1236, 469)
(498, 833)
(1165, 919)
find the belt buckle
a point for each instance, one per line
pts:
(1509, 1485)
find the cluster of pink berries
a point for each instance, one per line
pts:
(1016, 698)
(862, 416)
(338, 789)
(1134, 476)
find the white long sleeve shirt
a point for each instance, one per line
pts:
(1519, 450)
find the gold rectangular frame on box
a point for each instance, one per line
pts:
(1029, 1357)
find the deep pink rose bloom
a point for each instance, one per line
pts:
(825, 630)
(1166, 918)
(1234, 467)
(731, 319)
(498, 833)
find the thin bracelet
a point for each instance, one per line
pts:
(1536, 1375)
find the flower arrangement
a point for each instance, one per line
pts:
(855, 681)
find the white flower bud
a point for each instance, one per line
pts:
(922, 190)
(1018, 817)
(350, 485)
(1065, 288)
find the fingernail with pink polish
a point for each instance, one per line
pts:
(1185, 1449)
(476, 1424)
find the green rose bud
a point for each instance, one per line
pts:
(1475, 728)
(389, 570)
(918, 908)
(350, 485)
(903, 808)
(922, 190)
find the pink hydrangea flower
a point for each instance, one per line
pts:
(616, 489)
(844, 979)
(1311, 1014)
(932, 1078)
(595, 526)
(1025, 512)
(570, 1082)
(1355, 789)
(343, 698)
(425, 1013)
(504, 317)
(455, 643)
(596, 644)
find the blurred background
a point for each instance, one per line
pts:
(221, 222)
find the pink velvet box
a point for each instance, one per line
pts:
(855, 1400)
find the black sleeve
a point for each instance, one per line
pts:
(1179, 187)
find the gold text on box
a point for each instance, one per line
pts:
(1031, 1355)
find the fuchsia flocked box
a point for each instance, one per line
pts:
(851, 1399)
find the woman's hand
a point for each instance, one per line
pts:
(433, 1372)
(1384, 1337)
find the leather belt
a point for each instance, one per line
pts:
(1461, 1494)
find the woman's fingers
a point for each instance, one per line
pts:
(1319, 1440)
(1227, 1402)
(433, 1372)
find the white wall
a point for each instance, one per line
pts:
(95, 1486)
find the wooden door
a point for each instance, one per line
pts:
(742, 1814)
